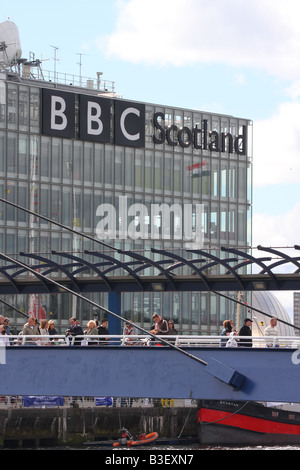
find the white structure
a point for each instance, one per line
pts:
(10, 45)
(268, 303)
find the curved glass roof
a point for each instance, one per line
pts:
(268, 303)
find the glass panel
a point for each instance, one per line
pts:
(168, 173)
(11, 242)
(242, 182)
(214, 223)
(232, 181)
(87, 209)
(55, 213)
(12, 106)
(23, 108)
(34, 109)
(177, 174)
(129, 164)
(44, 203)
(249, 184)
(215, 178)
(213, 309)
(23, 201)
(88, 163)
(242, 225)
(232, 224)
(223, 223)
(77, 165)
(45, 159)
(2, 103)
(223, 179)
(56, 159)
(22, 241)
(108, 164)
(67, 169)
(119, 166)
(2, 152)
(23, 155)
(158, 171)
(11, 196)
(77, 211)
(12, 154)
(66, 206)
(138, 170)
(98, 174)
(148, 170)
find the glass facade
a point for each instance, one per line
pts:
(68, 180)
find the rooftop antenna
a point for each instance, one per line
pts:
(55, 60)
(80, 64)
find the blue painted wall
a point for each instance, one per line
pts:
(271, 374)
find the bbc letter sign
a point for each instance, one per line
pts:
(93, 113)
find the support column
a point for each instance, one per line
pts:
(114, 305)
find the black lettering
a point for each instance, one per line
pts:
(240, 143)
(161, 139)
(205, 134)
(169, 140)
(197, 131)
(181, 134)
(214, 144)
(230, 142)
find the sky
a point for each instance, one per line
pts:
(234, 57)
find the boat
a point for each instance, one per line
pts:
(247, 423)
(128, 440)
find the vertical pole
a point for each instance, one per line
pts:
(114, 305)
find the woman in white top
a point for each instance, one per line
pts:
(44, 330)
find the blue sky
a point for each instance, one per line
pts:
(234, 57)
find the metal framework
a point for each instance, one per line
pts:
(126, 271)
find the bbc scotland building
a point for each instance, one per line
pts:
(71, 148)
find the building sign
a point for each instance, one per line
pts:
(62, 110)
(199, 138)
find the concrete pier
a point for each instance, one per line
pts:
(75, 426)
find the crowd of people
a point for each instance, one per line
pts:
(160, 327)
(229, 333)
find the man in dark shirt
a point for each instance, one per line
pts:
(246, 331)
(103, 331)
(160, 326)
(75, 330)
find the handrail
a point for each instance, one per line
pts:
(183, 341)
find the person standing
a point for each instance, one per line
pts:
(90, 332)
(246, 331)
(129, 330)
(271, 330)
(31, 329)
(160, 326)
(6, 325)
(75, 330)
(103, 331)
(227, 329)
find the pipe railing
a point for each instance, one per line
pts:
(182, 341)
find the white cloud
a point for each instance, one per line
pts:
(264, 34)
(279, 230)
(276, 147)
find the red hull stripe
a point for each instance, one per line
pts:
(247, 422)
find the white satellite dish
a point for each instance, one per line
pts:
(10, 45)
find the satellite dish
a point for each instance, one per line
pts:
(10, 45)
